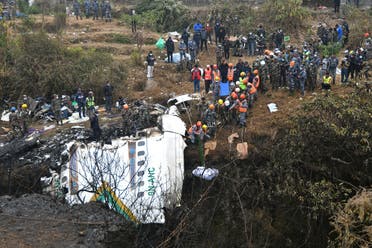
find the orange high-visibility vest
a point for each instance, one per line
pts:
(252, 90)
(256, 81)
(230, 74)
(208, 74)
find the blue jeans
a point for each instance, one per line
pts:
(196, 85)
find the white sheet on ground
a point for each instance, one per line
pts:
(74, 118)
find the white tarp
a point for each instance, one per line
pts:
(177, 57)
(144, 174)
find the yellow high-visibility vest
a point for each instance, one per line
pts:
(327, 80)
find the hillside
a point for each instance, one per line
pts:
(306, 178)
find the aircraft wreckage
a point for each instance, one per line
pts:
(138, 176)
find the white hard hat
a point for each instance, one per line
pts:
(262, 62)
(237, 90)
(227, 103)
(237, 83)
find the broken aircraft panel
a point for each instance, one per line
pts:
(136, 176)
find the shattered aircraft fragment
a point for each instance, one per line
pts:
(136, 176)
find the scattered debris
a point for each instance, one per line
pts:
(205, 173)
(272, 107)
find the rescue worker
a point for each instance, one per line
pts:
(192, 49)
(108, 11)
(80, 98)
(292, 75)
(207, 78)
(150, 59)
(90, 103)
(13, 120)
(209, 118)
(243, 107)
(87, 8)
(230, 72)
(76, 7)
(327, 79)
(264, 74)
(344, 70)
(302, 77)
(312, 76)
(108, 93)
(333, 63)
(23, 118)
(251, 44)
(56, 108)
(94, 125)
(169, 44)
(226, 48)
(252, 91)
(324, 67)
(203, 37)
(256, 80)
(195, 77)
(223, 70)
(196, 132)
(95, 6)
(182, 48)
(125, 114)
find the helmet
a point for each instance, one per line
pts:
(237, 83)
(227, 103)
(242, 96)
(13, 109)
(366, 35)
(255, 72)
(211, 106)
(217, 78)
(214, 66)
(237, 90)
(292, 63)
(234, 95)
(208, 66)
(220, 101)
(24, 106)
(262, 63)
(245, 80)
(242, 74)
(198, 124)
(125, 106)
(231, 65)
(205, 127)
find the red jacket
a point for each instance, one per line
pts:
(195, 74)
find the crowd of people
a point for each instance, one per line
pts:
(96, 9)
(235, 88)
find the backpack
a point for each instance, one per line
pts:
(196, 73)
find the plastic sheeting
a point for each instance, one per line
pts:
(177, 58)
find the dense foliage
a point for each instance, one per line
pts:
(39, 65)
(159, 15)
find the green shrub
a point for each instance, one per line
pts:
(39, 66)
(330, 49)
(285, 13)
(120, 38)
(136, 58)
